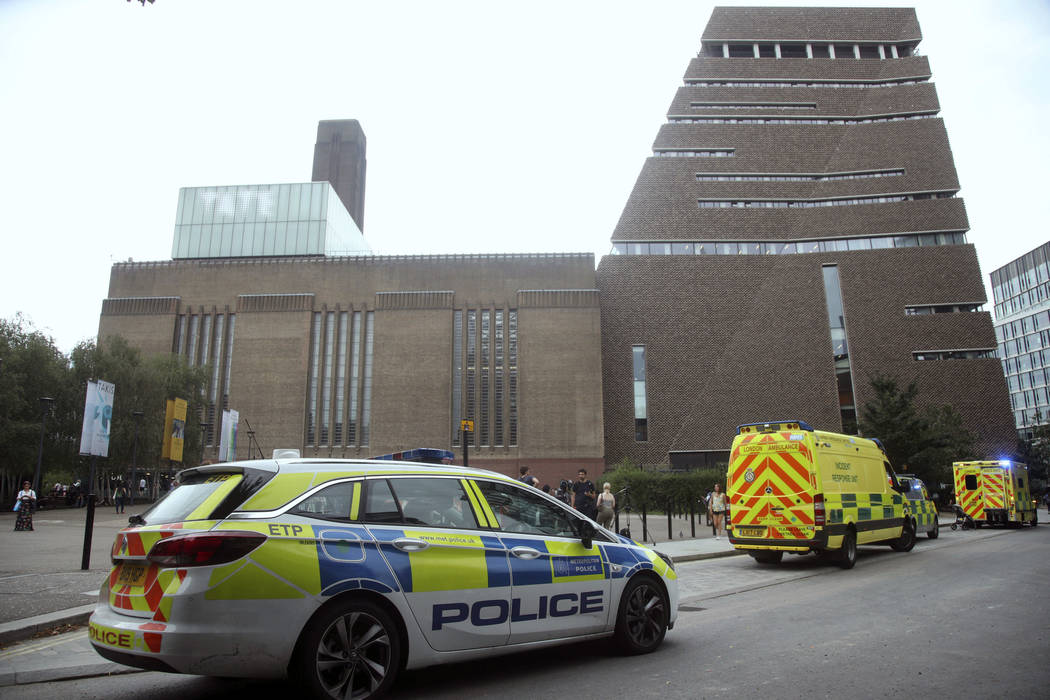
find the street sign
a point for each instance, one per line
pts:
(467, 426)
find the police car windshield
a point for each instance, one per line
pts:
(179, 505)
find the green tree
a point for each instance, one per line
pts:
(31, 367)
(922, 442)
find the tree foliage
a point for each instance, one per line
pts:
(32, 367)
(921, 442)
(662, 490)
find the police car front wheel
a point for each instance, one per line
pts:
(350, 649)
(642, 619)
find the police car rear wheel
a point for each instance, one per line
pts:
(350, 650)
(906, 541)
(848, 553)
(642, 620)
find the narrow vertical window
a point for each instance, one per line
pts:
(214, 408)
(512, 378)
(177, 339)
(229, 362)
(366, 398)
(182, 336)
(340, 381)
(355, 379)
(457, 376)
(191, 350)
(486, 321)
(840, 349)
(498, 381)
(311, 379)
(326, 381)
(472, 369)
(205, 339)
(641, 419)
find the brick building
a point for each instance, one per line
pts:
(795, 232)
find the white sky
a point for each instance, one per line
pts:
(492, 127)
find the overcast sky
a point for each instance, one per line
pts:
(492, 127)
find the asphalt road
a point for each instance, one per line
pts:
(960, 616)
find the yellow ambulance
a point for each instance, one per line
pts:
(995, 492)
(795, 489)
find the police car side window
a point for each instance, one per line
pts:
(380, 504)
(332, 502)
(434, 502)
(518, 510)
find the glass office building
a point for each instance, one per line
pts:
(264, 220)
(1021, 290)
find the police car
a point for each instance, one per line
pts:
(340, 573)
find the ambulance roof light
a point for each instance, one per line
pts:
(768, 426)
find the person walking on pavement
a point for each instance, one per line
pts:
(119, 496)
(25, 503)
(718, 509)
(606, 504)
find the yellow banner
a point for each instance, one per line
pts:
(178, 429)
(169, 416)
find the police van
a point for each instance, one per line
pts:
(795, 489)
(341, 573)
(995, 492)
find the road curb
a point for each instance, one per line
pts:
(106, 668)
(18, 630)
(706, 555)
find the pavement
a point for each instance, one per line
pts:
(46, 596)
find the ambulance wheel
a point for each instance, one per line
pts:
(642, 620)
(768, 557)
(936, 531)
(848, 554)
(349, 649)
(906, 541)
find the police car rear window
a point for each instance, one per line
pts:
(189, 501)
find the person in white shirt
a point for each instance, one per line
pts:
(25, 504)
(718, 509)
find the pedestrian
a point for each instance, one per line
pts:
(524, 476)
(707, 512)
(120, 494)
(142, 487)
(580, 488)
(718, 509)
(606, 505)
(547, 489)
(25, 503)
(562, 493)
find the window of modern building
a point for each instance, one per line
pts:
(340, 380)
(512, 378)
(924, 309)
(366, 393)
(820, 50)
(754, 105)
(741, 50)
(693, 153)
(698, 82)
(486, 349)
(355, 380)
(229, 361)
(787, 247)
(499, 395)
(216, 374)
(790, 119)
(793, 51)
(796, 177)
(457, 377)
(970, 354)
(312, 379)
(472, 371)
(641, 416)
(840, 348)
(326, 381)
(810, 203)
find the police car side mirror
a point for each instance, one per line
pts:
(586, 531)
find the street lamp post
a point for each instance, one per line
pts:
(45, 407)
(204, 435)
(137, 415)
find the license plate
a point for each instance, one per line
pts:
(750, 531)
(132, 575)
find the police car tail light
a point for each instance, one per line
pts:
(203, 549)
(818, 510)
